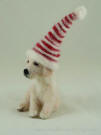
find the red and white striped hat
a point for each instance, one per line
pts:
(47, 50)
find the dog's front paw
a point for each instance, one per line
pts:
(33, 114)
(44, 115)
(22, 108)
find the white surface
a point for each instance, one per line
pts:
(79, 78)
(80, 111)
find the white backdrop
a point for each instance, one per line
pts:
(23, 23)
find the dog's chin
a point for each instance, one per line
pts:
(29, 77)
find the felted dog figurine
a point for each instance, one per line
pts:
(42, 98)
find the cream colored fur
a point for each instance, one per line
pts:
(42, 98)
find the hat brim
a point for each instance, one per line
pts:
(42, 60)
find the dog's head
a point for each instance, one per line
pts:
(34, 69)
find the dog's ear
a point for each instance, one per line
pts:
(47, 72)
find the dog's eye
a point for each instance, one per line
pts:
(35, 63)
(27, 61)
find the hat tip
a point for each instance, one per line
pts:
(81, 12)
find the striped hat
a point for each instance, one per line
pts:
(47, 50)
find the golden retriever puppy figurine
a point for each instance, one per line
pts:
(42, 98)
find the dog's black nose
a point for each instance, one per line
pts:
(26, 72)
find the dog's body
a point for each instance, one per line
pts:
(42, 98)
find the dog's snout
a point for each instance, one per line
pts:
(26, 72)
